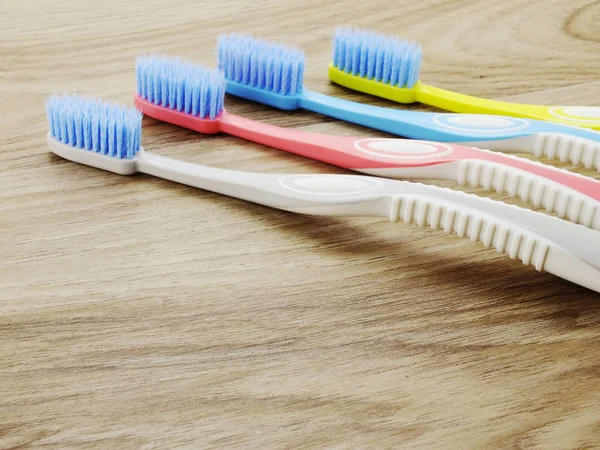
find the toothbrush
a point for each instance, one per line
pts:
(190, 96)
(108, 136)
(272, 74)
(388, 67)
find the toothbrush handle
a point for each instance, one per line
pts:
(442, 127)
(587, 117)
(336, 150)
(395, 121)
(544, 242)
(547, 243)
(554, 140)
(510, 230)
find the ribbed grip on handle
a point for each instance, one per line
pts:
(555, 198)
(516, 242)
(567, 148)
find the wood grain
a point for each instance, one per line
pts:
(136, 313)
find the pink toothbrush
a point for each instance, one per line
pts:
(190, 96)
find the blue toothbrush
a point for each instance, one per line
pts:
(272, 74)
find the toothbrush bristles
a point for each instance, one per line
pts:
(377, 56)
(180, 85)
(95, 125)
(261, 64)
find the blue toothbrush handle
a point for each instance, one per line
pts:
(538, 137)
(443, 127)
(414, 125)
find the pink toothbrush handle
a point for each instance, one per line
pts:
(380, 153)
(337, 150)
(559, 191)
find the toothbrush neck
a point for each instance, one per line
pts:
(262, 133)
(330, 149)
(359, 113)
(327, 105)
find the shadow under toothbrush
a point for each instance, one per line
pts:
(391, 249)
(496, 279)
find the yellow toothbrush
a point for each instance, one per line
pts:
(388, 67)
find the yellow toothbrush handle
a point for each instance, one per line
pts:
(581, 116)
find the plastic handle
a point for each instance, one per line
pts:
(582, 116)
(441, 127)
(394, 121)
(336, 150)
(578, 203)
(548, 243)
(520, 241)
(489, 128)
(464, 127)
(544, 242)
(562, 141)
(568, 148)
(342, 151)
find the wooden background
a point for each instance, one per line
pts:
(137, 313)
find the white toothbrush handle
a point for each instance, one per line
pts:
(547, 243)
(556, 246)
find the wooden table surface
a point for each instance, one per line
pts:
(138, 313)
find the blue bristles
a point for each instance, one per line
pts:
(261, 64)
(180, 85)
(95, 125)
(376, 56)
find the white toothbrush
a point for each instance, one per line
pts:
(108, 137)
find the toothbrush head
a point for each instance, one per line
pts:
(94, 132)
(180, 85)
(263, 71)
(376, 63)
